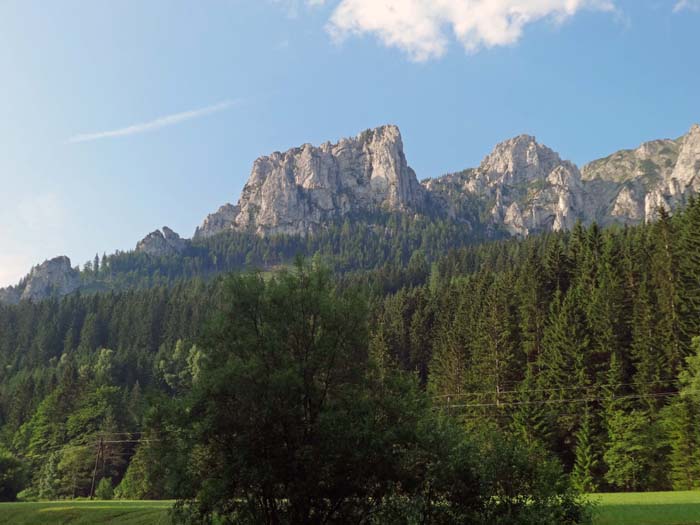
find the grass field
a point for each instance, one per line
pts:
(649, 508)
(652, 508)
(86, 513)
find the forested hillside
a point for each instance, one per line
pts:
(355, 244)
(580, 342)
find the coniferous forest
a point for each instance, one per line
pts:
(410, 383)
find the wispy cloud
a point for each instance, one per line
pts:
(686, 4)
(152, 125)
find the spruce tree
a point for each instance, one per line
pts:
(584, 473)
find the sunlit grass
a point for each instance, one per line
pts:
(86, 512)
(647, 508)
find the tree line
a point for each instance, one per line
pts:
(573, 346)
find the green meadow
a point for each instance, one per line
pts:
(648, 508)
(81, 512)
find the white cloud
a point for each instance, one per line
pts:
(152, 125)
(421, 27)
(686, 4)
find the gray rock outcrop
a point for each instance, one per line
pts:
(53, 278)
(217, 222)
(630, 186)
(300, 190)
(162, 243)
(522, 186)
(525, 186)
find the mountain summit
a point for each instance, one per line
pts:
(525, 187)
(300, 190)
(520, 188)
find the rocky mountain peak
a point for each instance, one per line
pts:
(630, 186)
(521, 157)
(300, 190)
(687, 168)
(54, 277)
(529, 187)
(162, 243)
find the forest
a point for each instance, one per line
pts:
(575, 356)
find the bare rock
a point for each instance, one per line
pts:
(217, 222)
(162, 243)
(55, 277)
(300, 190)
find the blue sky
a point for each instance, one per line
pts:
(119, 117)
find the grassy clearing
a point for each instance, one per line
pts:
(86, 513)
(647, 508)
(650, 508)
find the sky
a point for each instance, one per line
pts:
(120, 116)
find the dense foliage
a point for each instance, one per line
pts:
(294, 418)
(578, 346)
(383, 240)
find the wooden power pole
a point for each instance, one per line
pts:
(94, 471)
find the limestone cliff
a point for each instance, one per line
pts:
(300, 190)
(162, 243)
(629, 186)
(524, 186)
(55, 277)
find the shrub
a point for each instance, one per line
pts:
(12, 476)
(104, 489)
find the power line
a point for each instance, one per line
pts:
(556, 401)
(557, 389)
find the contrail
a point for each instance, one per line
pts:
(152, 125)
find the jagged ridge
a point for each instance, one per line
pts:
(521, 187)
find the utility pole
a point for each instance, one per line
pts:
(94, 471)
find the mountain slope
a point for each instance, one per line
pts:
(298, 202)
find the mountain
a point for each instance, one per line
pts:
(162, 243)
(527, 188)
(520, 188)
(53, 277)
(524, 186)
(630, 185)
(302, 189)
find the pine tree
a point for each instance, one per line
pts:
(665, 281)
(681, 420)
(496, 362)
(683, 434)
(531, 418)
(689, 268)
(584, 473)
(646, 349)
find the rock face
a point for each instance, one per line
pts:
(522, 187)
(52, 278)
(162, 243)
(525, 186)
(629, 186)
(298, 191)
(218, 222)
